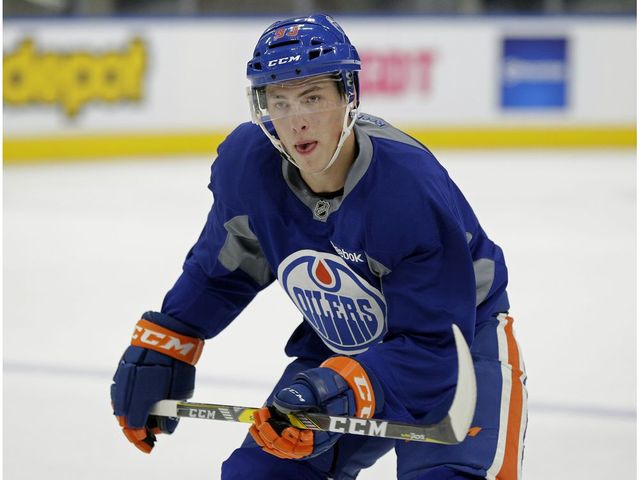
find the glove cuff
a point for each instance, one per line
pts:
(152, 336)
(357, 378)
(167, 321)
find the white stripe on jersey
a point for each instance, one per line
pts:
(525, 411)
(503, 356)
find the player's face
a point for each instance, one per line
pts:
(308, 118)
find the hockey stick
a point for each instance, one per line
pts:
(451, 430)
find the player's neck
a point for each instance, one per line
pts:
(335, 177)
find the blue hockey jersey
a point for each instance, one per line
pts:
(379, 273)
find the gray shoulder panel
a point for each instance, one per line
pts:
(377, 268)
(241, 250)
(377, 127)
(484, 269)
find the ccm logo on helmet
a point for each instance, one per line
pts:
(154, 337)
(283, 60)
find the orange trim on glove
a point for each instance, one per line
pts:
(143, 438)
(292, 443)
(154, 337)
(358, 380)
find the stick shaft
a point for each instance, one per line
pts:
(450, 430)
(438, 433)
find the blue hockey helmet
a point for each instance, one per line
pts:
(295, 51)
(303, 47)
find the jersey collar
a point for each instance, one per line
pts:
(322, 208)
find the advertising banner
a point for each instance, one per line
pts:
(534, 73)
(178, 85)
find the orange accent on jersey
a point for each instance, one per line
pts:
(358, 380)
(323, 274)
(293, 443)
(154, 337)
(473, 431)
(509, 469)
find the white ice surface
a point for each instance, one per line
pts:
(88, 247)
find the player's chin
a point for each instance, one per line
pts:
(311, 166)
(312, 163)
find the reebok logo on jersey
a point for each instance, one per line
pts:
(351, 256)
(346, 312)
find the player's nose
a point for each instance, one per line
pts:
(299, 123)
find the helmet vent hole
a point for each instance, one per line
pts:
(317, 41)
(315, 53)
(284, 43)
(257, 66)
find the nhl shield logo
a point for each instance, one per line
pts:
(346, 312)
(321, 210)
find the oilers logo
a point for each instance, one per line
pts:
(343, 308)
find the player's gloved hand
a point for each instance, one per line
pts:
(340, 386)
(158, 365)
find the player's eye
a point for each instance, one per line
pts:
(279, 105)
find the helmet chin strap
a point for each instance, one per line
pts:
(350, 117)
(347, 126)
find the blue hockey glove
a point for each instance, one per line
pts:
(340, 386)
(158, 365)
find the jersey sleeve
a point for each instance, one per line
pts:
(226, 267)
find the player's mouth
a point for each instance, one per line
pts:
(305, 148)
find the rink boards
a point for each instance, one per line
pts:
(80, 88)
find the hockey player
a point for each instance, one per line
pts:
(380, 252)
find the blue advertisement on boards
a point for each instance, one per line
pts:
(534, 73)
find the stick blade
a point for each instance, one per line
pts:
(463, 406)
